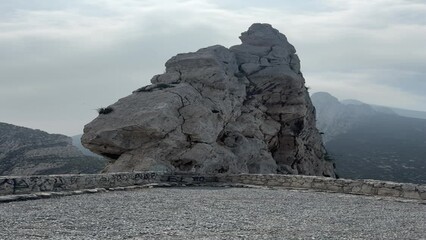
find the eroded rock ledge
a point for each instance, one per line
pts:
(217, 110)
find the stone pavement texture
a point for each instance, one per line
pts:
(213, 213)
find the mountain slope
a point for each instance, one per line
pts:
(25, 151)
(335, 118)
(382, 147)
(372, 143)
(409, 113)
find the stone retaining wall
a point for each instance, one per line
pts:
(361, 187)
(56, 183)
(10, 185)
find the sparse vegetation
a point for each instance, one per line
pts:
(151, 88)
(105, 110)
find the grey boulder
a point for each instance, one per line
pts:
(217, 110)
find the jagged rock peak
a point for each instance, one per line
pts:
(264, 35)
(217, 110)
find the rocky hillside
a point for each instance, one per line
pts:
(217, 110)
(25, 151)
(372, 142)
(335, 118)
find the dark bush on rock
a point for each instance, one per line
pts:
(105, 110)
(153, 87)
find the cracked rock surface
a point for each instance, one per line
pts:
(239, 110)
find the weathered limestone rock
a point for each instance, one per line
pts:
(238, 110)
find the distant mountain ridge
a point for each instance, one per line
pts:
(335, 118)
(368, 141)
(25, 151)
(407, 112)
(391, 110)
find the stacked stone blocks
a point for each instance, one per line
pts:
(360, 186)
(14, 185)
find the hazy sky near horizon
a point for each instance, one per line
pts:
(60, 60)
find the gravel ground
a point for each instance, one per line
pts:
(213, 213)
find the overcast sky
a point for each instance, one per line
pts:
(60, 60)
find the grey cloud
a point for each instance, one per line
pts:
(60, 61)
(45, 78)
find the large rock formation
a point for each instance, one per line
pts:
(217, 110)
(25, 151)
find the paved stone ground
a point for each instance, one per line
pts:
(213, 213)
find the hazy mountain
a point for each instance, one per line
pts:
(409, 113)
(372, 141)
(335, 118)
(25, 151)
(390, 110)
